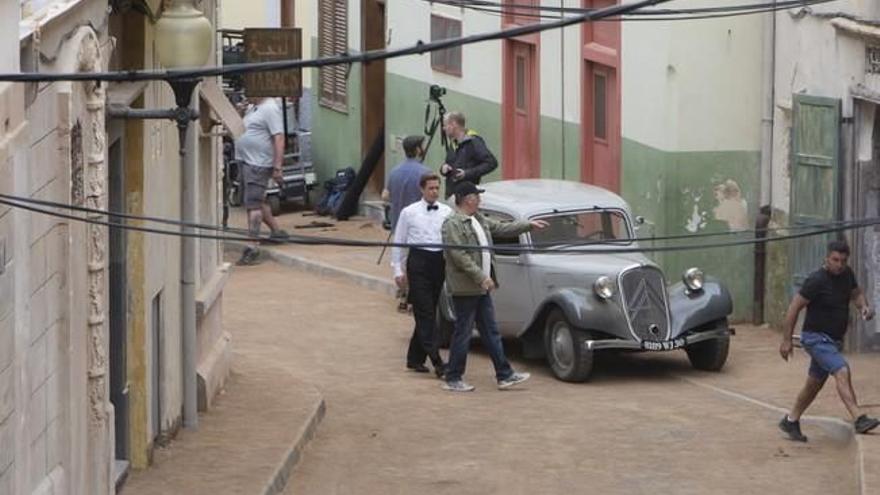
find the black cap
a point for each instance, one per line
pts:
(410, 143)
(464, 188)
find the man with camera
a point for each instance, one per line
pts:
(468, 159)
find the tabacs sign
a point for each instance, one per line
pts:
(269, 45)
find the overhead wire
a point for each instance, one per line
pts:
(366, 57)
(501, 6)
(219, 228)
(569, 248)
(419, 48)
(509, 9)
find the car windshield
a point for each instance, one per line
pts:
(582, 227)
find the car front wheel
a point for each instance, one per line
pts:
(569, 360)
(709, 355)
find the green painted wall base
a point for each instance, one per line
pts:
(683, 193)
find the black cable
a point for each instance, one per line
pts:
(369, 56)
(217, 228)
(503, 6)
(308, 240)
(659, 15)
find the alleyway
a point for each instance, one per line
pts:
(637, 428)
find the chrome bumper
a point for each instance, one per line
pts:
(676, 343)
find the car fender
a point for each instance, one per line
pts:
(691, 309)
(583, 309)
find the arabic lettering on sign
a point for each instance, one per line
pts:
(872, 59)
(267, 45)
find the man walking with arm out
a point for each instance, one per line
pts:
(421, 223)
(470, 278)
(826, 294)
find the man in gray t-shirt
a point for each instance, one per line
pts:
(260, 151)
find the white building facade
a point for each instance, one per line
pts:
(90, 328)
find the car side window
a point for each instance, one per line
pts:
(500, 242)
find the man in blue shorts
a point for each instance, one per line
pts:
(826, 294)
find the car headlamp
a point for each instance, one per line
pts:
(604, 287)
(693, 279)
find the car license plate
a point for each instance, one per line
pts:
(665, 345)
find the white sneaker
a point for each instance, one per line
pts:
(514, 379)
(458, 386)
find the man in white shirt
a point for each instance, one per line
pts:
(420, 223)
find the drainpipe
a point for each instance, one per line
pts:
(188, 268)
(769, 69)
(766, 204)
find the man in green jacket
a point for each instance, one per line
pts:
(470, 277)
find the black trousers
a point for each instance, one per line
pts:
(425, 272)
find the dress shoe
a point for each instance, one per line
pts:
(418, 368)
(440, 371)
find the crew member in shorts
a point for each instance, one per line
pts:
(260, 150)
(826, 294)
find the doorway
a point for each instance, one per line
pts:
(521, 110)
(600, 161)
(373, 94)
(118, 307)
(600, 101)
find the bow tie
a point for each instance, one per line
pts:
(433, 207)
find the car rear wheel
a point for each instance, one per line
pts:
(444, 329)
(564, 347)
(709, 355)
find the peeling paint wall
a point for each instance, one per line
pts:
(697, 193)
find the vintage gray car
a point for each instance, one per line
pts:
(567, 304)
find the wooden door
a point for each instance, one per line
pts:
(601, 127)
(600, 100)
(815, 160)
(521, 157)
(373, 91)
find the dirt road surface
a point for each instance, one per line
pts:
(638, 427)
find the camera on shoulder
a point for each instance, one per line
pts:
(436, 92)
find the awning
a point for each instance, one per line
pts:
(213, 96)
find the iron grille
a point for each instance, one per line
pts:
(644, 297)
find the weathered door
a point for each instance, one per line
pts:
(373, 91)
(600, 100)
(815, 165)
(601, 126)
(521, 160)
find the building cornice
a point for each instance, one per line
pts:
(856, 28)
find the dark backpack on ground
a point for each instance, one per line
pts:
(334, 191)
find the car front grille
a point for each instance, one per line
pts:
(644, 298)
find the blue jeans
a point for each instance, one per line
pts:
(824, 353)
(467, 310)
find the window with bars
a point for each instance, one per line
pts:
(333, 40)
(449, 60)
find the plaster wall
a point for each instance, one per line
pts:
(58, 412)
(693, 85)
(11, 109)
